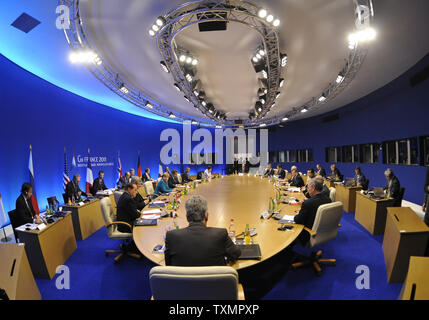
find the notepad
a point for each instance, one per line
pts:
(287, 219)
(293, 189)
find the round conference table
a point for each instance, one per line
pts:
(243, 198)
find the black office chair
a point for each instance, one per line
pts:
(398, 201)
(13, 223)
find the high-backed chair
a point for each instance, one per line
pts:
(14, 224)
(109, 217)
(332, 192)
(148, 186)
(179, 177)
(325, 228)
(195, 283)
(117, 195)
(275, 171)
(398, 201)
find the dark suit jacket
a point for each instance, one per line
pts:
(185, 178)
(322, 172)
(308, 211)
(98, 186)
(73, 190)
(146, 177)
(23, 214)
(123, 182)
(269, 172)
(281, 174)
(126, 211)
(139, 201)
(198, 245)
(297, 181)
(395, 189)
(326, 192)
(172, 182)
(426, 189)
(362, 180)
(336, 173)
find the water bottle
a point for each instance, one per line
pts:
(247, 238)
(231, 230)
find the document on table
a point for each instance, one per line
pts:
(287, 219)
(152, 214)
(294, 189)
(31, 226)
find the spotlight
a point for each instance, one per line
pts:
(177, 87)
(322, 98)
(164, 66)
(254, 59)
(188, 60)
(160, 21)
(277, 95)
(285, 119)
(262, 125)
(264, 74)
(204, 103)
(182, 58)
(151, 32)
(155, 28)
(148, 105)
(262, 13)
(258, 56)
(263, 101)
(304, 110)
(261, 52)
(171, 115)
(340, 78)
(124, 89)
(282, 82)
(84, 57)
(283, 59)
(276, 23)
(265, 91)
(188, 77)
(270, 18)
(218, 127)
(194, 62)
(194, 122)
(196, 93)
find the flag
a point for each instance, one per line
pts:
(160, 169)
(3, 218)
(66, 178)
(74, 161)
(89, 177)
(33, 197)
(119, 168)
(139, 168)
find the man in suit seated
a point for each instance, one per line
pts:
(185, 176)
(320, 171)
(335, 174)
(126, 208)
(309, 207)
(199, 245)
(162, 186)
(98, 184)
(310, 175)
(360, 179)
(393, 187)
(146, 175)
(296, 180)
(124, 180)
(280, 172)
(73, 191)
(269, 172)
(139, 200)
(173, 180)
(24, 211)
(208, 173)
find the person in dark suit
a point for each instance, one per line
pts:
(98, 184)
(280, 172)
(310, 175)
(393, 187)
(309, 207)
(126, 208)
(320, 171)
(185, 176)
(235, 166)
(360, 179)
(335, 174)
(270, 171)
(146, 175)
(296, 180)
(73, 191)
(243, 168)
(199, 245)
(173, 180)
(425, 206)
(124, 180)
(24, 211)
(139, 200)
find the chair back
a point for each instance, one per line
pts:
(200, 175)
(13, 222)
(109, 215)
(332, 193)
(179, 177)
(275, 171)
(148, 186)
(326, 222)
(142, 191)
(194, 283)
(398, 202)
(117, 195)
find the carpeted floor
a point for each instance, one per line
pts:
(93, 276)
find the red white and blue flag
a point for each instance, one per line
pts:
(119, 168)
(66, 178)
(31, 171)
(89, 176)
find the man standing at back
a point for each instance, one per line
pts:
(199, 245)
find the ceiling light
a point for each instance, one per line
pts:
(261, 52)
(160, 21)
(124, 89)
(155, 28)
(270, 18)
(276, 23)
(263, 101)
(258, 56)
(188, 60)
(194, 122)
(281, 83)
(265, 91)
(340, 78)
(182, 58)
(164, 66)
(283, 58)
(322, 98)
(218, 127)
(262, 125)
(304, 110)
(172, 115)
(254, 59)
(151, 32)
(203, 103)
(196, 92)
(188, 77)
(262, 13)
(148, 105)
(285, 119)
(194, 62)
(177, 87)
(265, 74)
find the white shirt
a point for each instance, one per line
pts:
(207, 174)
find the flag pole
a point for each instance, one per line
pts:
(6, 238)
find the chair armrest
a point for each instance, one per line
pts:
(311, 232)
(240, 294)
(119, 222)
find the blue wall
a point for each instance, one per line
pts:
(33, 111)
(395, 111)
